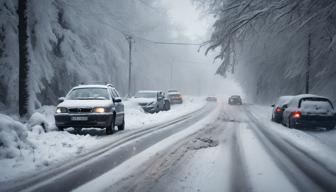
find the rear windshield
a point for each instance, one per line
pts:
(311, 104)
(146, 95)
(283, 100)
(174, 95)
(88, 94)
(235, 97)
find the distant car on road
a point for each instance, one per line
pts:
(235, 100)
(278, 108)
(85, 106)
(309, 111)
(152, 101)
(174, 97)
(211, 99)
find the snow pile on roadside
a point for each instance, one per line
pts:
(48, 149)
(42, 120)
(34, 145)
(13, 138)
(136, 118)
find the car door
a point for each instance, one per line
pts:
(119, 108)
(160, 99)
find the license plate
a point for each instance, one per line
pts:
(79, 118)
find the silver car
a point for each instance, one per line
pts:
(98, 106)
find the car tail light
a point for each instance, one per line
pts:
(278, 110)
(296, 114)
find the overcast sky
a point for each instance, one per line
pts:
(188, 18)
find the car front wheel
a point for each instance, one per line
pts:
(122, 126)
(60, 128)
(167, 106)
(110, 129)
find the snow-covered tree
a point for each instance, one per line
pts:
(270, 40)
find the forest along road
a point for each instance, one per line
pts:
(79, 171)
(235, 152)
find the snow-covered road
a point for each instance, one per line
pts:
(240, 150)
(226, 148)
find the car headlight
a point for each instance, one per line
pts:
(61, 110)
(99, 110)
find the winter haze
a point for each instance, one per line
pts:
(167, 95)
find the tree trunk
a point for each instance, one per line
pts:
(23, 58)
(308, 65)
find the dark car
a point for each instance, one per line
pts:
(152, 101)
(211, 99)
(235, 100)
(97, 106)
(175, 97)
(278, 108)
(309, 111)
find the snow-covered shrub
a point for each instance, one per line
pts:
(13, 137)
(42, 120)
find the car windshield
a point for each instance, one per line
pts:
(146, 95)
(88, 94)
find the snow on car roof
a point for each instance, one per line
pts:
(91, 86)
(148, 91)
(309, 95)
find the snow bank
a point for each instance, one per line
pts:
(42, 120)
(13, 138)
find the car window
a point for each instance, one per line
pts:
(116, 92)
(111, 92)
(114, 95)
(88, 94)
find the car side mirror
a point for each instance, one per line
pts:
(285, 106)
(117, 100)
(61, 99)
(273, 105)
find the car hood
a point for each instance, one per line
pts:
(85, 103)
(143, 100)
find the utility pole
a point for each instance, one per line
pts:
(308, 64)
(129, 39)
